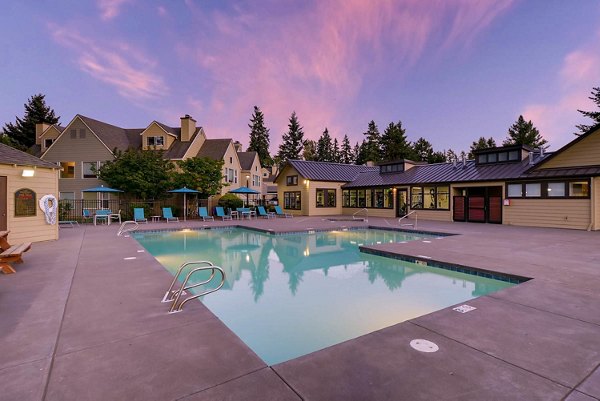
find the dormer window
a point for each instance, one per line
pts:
(48, 142)
(498, 155)
(155, 141)
(391, 168)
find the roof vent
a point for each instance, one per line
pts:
(464, 162)
(541, 152)
(454, 162)
(531, 158)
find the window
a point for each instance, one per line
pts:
(48, 142)
(325, 198)
(155, 140)
(255, 180)
(502, 156)
(361, 198)
(556, 189)
(533, 190)
(88, 169)
(378, 198)
(430, 197)
(496, 157)
(391, 168)
(492, 158)
(514, 190)
(68, 170)
(232, 175)
(82, 133)
(291, 180)
(291, 200)
(513, 155)
(231, 160)
(73, 134)
(579, 189)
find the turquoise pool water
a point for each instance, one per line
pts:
(289, 295)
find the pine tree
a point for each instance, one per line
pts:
(423, 150)
(325, 147)
(356, 153)
(372, 146)
(21, 134)
(394, 145)
(346, 156)
(451, 155)
(361, 153)
(259, 137)
(292, 141)
(524, 133)
(594, 115)
(481, 143)
(336, 151)
(310, 150)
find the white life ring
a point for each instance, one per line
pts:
(49, 206)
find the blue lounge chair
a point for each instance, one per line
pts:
(280, 213)
(87, 215)
(168, 214)
(263, 213)
(138, 215)
(202, 212)
(221, 213)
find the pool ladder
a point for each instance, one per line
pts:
(133, 225)
(174, 296)
(414, 225)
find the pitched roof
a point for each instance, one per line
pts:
(9, 155)
(111, 135)
(445, 173)
(327, 171)
(214, 148)
(246, 159)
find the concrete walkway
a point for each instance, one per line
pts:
(80, 322)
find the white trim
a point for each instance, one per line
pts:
(159, 126)
(77, 116)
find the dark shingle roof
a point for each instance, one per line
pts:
(326, 171)
(112, 136)
(246, 159)
(214, 148)
(10, 155)
(444, 173)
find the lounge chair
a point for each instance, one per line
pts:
(138, 215)
(202, 212)
(221, 213)
(13, 255)
(87, 215)
(168, 214)
(263, 213)
(114, 216)
(280, 213)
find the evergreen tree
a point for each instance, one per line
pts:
(481, 143)
(356, 153)
(524, 133)
(594, 115)
(325, 147)
(292, 141)
(346, 156)
(394, 145)
(336, 151)
(310, 150)
(423, 150)
(372, 145)
(361, 153)
(437, 157)
(259, 137)
(451, 155)
(21, 134)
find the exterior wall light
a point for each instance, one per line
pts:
(28, 173)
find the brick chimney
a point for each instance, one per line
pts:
(39, 130)
(188, 127)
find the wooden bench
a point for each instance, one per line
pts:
(13, 255)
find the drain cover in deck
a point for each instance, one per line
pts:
(424, 345)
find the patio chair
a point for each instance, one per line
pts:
(263, 213)
(280, 213)
(168, 214)
(138, 215)
(202, 212)
(220, 212)
(115, 216)
(87, 215)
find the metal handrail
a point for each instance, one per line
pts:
(408, 214)
(170, 294)
(123, 230)
(179, 307)
(361, 210)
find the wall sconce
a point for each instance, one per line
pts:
(306, 181)
(28, 173)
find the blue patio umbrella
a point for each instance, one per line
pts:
(245, 191)
(184, 191)
(101, 188)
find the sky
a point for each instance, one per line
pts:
(449, 70)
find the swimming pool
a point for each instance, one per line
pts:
(289, 295)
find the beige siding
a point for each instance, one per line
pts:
(596, 202)
(78, 150)
(29, 229)
(311, 193)
(195, 146)
(155, 130)
(559, 213)
(231, 161)
(51, 133)
(256, 170)
(584, 153)
(282, 187)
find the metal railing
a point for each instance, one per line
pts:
(123, 229)
(409, 224)
(173, 296)
(366, 218)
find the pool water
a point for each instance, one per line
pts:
(289, 295)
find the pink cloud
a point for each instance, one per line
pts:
(123, 67)
(110, 8)
(317, 60)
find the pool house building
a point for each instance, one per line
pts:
(514, 185)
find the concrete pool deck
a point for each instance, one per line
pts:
(79, 322)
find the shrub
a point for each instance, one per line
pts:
(230, 201)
